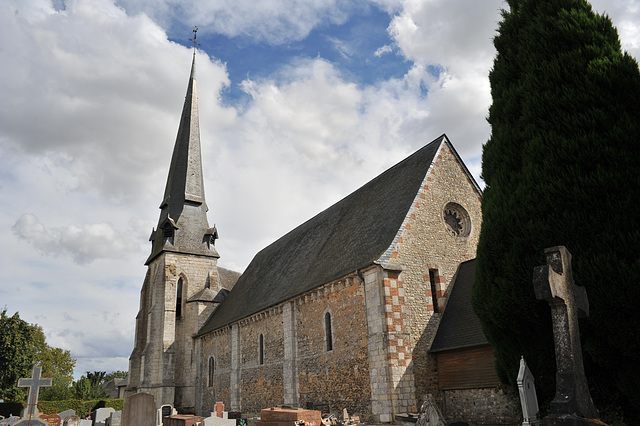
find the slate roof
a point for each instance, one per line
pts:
(460, 326)
(350, 235)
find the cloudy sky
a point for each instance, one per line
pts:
(301, 102)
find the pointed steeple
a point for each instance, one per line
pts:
(183, 225)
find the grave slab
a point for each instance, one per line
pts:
(287, 416)
(32, 422)
(9, 421)
(182, 420)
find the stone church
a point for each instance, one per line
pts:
(341, 312)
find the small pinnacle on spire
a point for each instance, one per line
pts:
(193, 40)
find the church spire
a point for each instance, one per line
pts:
(183, 225)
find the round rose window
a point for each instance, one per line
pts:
(456, 220)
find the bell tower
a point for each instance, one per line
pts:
(182, 275)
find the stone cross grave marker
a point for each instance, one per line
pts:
(34, 384)
(553, 282)
(528, 397)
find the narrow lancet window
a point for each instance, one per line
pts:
(212, 370)
(433, 277)
(328, 332)
(261, 349)
(179, 299)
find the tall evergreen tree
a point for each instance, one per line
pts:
(561, 168)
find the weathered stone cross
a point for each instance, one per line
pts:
(34, 384)
(553, 282)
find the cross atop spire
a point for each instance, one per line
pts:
(193, 40)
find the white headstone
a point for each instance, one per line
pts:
(528, 397)
(214, 420)
(101, 416)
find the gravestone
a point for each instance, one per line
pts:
(85, 422)
(222, 420)
(101, 415)
(115, 419)
(34, 384)
(553, 283)
(65, 414)
(139, 410)
(165, 410)
(72, 421)
(430, 414)
(9, 421)
(528, 397)
(51, 419)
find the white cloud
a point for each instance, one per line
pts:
(271, 21)
(383, 50)
(83, 244)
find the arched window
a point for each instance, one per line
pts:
(179, 299)
(212, 370)
(261, 349)
(327, 331)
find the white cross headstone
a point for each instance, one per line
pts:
(34, 384)
(528, 397)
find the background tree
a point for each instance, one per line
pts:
(20, 342)
(561, 169)
(96, 381)
(22, 345)
(118, 374)
(57, 364)
(81, 388)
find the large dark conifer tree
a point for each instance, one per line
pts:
(562, 167)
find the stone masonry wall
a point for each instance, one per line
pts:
(481, 406)
(216, 345)
(261, 384)
(426, 244)
(338, 377)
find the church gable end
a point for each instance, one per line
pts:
(349, 235)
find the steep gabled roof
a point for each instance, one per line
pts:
(350, 235)
(460, 326)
